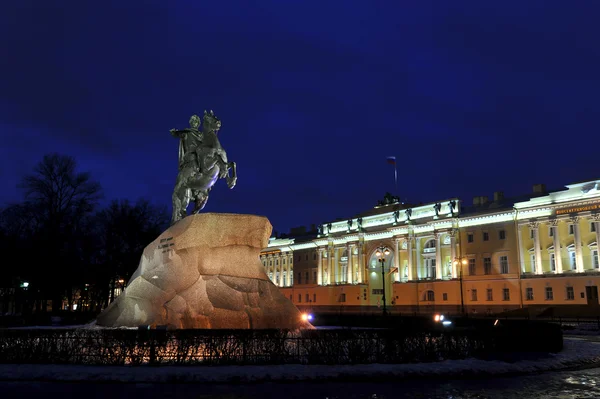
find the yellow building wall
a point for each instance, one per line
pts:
(559, 290)
(493, 248)
(327, 295)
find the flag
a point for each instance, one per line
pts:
(391, 160)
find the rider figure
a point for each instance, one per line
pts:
(202, 161)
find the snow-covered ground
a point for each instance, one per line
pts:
(577, 353)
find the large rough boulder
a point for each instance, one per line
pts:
(205, 272)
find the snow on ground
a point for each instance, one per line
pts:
(577, 353)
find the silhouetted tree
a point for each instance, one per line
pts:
(123, 231)
(58, 203)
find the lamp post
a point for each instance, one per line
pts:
(460, 262)
(381, 253)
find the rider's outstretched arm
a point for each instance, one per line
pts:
(178, 133)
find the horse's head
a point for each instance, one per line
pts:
(210, 121)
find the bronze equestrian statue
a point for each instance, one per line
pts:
(202, 161)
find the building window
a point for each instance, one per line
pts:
(571, 229)
(472, 267)
(593, 227)
(315, 256)
(306, 276)
(299, 278)
(549, 294)
(550, 231)
(291, 279)
(473, 294)
(270, 263)
(531, 233)
(430, 268)
(306, 257)
(502, 234)
(553, 262)
(343, 297)
(291, 259)
(430, 296)
(444, 296)
(469, 237)
(299, 298)
(314, 277)
(377, 291)
(595, 259)
(486, 236)
(298, 258)
(490, 297)
(504, 264)
(570, 293)
(307, 298)
(487, 265)
(529, 294)
(505, 294)
(573, 260)
(314, 298)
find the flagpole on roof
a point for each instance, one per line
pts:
(392, 160)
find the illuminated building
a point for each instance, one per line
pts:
(486, 257)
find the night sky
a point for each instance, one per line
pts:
(471, 97)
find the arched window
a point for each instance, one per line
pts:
(430, 244)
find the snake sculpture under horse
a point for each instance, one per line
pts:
(202, 161)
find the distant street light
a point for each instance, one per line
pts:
(381, 253)
(459, 262)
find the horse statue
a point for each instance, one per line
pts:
(202, 161)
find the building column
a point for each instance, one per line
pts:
(281, 270)
(270, 264)
(409, 252)
(336, 265)
(360, 263)
(418, 256)
(577, 238)
(596, 218)
(397, 259)
(535, 226)
(557, 249)
(438, 256)
(290, 270)
(521, 249)
(453, 252)
(330, 276)
(320, 268)
(350, 267)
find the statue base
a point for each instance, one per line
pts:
(205, 272)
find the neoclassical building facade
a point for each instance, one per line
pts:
(489, 256)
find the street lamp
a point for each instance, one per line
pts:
(381, 253)
(460, 262)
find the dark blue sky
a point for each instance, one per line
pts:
(471, 97)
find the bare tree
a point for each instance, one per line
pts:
(58, 200)
(125, 229)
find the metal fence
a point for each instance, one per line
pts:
(222, 347)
